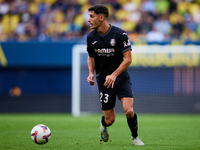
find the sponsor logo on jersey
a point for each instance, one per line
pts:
(94, 42)
(128, 43)
(105, 52)
(112, 42)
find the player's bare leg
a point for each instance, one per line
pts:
(107, 119)
(127, 104)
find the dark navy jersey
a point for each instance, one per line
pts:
(107, 50)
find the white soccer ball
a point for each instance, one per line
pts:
(40, 134)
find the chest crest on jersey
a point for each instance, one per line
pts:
(112, 42)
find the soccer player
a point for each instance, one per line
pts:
(109, 54)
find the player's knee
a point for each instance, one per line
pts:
(129, 113)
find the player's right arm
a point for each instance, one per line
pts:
(90, 59)
(91, 67)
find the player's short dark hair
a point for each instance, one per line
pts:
(99, 9)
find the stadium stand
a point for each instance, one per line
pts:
(52, 20)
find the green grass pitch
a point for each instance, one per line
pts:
(166, 132)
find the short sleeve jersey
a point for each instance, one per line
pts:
(107, 50)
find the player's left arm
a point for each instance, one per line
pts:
(110, 79)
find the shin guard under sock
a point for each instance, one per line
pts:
(132, 123)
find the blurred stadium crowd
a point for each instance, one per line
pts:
(55, 20)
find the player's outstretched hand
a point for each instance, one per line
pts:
(90, 79)
(110, 81)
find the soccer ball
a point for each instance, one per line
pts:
(40, 134)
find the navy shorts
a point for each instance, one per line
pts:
(122, 88)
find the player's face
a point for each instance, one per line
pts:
(94, 20)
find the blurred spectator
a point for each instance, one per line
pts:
(145, 23)
(148, 6)
(182, 7)
(42, 37)
(3, 36)
(31, 29)
(22, 20)
(162, 24)
(155, 36)
(189, 35)
(172, 6)
(130, 6)
(162, 6)
(20, 30)
(134, 16)
(196, 16)
(191, 24)
(177, 22)
(4, 7)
